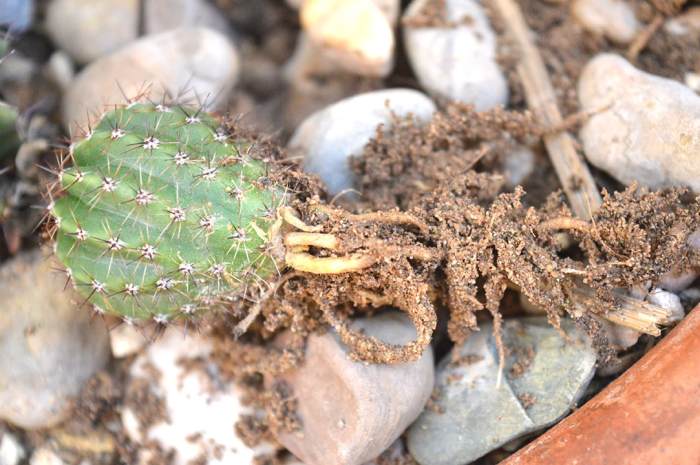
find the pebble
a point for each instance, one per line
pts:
(688, 22)
(518, 165)
(351, 412)
(456, 61)
(90, 30)
(649, 415)
(11, 451)
(16, 15)
(201, 408)
(644, 128)
(45, 456)
(615, 19)
(355, 34)
(329, 137)
(49, 347)
(126, 340)
(196, 64)
(543, 378)
(669, 301)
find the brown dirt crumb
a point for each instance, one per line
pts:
(527, 400)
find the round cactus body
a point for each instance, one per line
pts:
(163, 214)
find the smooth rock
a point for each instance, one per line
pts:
(351, 412)
(649, 415)
(355, 34)
(456, 61)
(518, 165)
(16, 15)
(126, 340)
(11, 451)
(644, 128)
(329, 137)
(88, 30)
(615, 19)
(196, 65)
(165, 15)
(669, 301)
(688, 22)
(49, 347)
(692, 80)
(45, 456)
(390, 8)
(201, 408)
(544, 377)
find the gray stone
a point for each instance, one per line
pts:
(456, 61)
(543, 378)
(643, 128)
(329, 137)
(351, 412)
(195, 64)
(49, 347)
(88, 30)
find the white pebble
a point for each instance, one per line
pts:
(88, 30)
(126, 340)
(457, 62)
(644, 128)
(195, 64)
(614, 19)
(329, 137)
(45, 456)
(669, 301)
(11, 451)
(199, 404)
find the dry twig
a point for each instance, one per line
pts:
(572, 171)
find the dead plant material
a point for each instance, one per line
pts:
(573, 172)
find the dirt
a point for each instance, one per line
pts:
(479, 239)
(566, 47)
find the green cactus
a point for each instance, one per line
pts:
(9, 139)
(163, 214)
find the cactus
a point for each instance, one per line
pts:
(9, 138)
(163, 214)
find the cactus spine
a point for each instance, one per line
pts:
(163, 214)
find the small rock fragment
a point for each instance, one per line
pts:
(351, 412)
(192, 64)
(455, 57)
(688, 22)
(615, 19)
(45, 456)
(669, 301)
(126, 340)
(644, 128)
(544, 377)
(11, 451)
(90, 30)
(49, 347)
(327, 138)
(356, 34)
(195, 410)
(518, 165)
